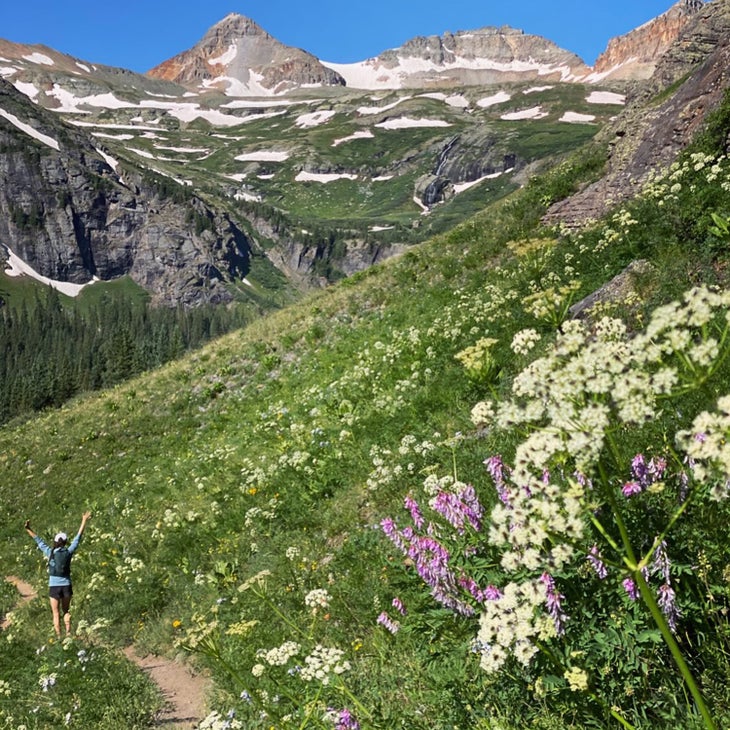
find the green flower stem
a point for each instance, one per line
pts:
(661, 622)
(364, 712)
(595, 697)
(656, 612)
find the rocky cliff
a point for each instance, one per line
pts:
(635, 55)
(71, 212)
(238, 57)
(466, 58)
(656, 125)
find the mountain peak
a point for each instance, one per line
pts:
(239, 58)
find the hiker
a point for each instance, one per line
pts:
(59, 569)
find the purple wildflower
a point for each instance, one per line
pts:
(398, 605)
(594, 558)
(412, 506)
(667, 602)
(631, 588)
(629, 489)
(496, 468)
(661, 563)
(345, 720)
(554, 603)
(459, 508)
(492, 593)
(387, 622)
(396, 536)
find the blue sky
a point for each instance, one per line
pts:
(139, 34)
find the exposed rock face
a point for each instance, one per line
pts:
(468, 58)
(237, 55)
(44, 75)
(635, 55)
(71, 217)
(648, 135)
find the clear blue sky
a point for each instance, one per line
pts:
(139, 34)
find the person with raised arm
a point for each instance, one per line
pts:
(59, 572)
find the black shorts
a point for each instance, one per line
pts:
(60, 592)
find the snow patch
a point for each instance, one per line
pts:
(460, 187)
(537, 89)
(40, 58)
(368, 110)
(30, 90)
(458, 101)
(18, 267)
(365, 134)
(534, 112)
(114, 164)
(52, 143)
(323, 177)
(314, 119)
(6, 71)
(499, 98)
(605, 97)
(263, 156)
(408, 123)
(83, 67)
(576, 117)
(226, 57)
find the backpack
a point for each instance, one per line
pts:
(59, 564)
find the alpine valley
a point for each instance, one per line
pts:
(398, 391)
(241, 159)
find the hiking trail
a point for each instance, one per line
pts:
(183, 691)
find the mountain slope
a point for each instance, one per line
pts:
(238, 58)
(241, 494)
(73, 213)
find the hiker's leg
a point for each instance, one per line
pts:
(56, 616)
(66, 607)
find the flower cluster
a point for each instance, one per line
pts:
(707, 445)
(322, 663)
(316, 599)
(511, 622)
(280, 655)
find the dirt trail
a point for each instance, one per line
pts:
(27, 593)
(183, 691)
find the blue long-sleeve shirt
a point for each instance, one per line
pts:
(57, 580)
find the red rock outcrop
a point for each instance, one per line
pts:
(634, 55)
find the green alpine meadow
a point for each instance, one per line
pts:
(471, 487)
(401, 406)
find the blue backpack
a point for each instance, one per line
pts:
(59, 564)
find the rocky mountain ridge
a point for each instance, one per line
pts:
(239, 58)
(656, 126)
(635, 55)
(73, 213)
(181, 184)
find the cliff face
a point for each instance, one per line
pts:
(237, 55)
(71, 216)
(635, 55)
(648, 136)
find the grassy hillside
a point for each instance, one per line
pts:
(249, 500)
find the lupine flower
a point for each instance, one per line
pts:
(554, 603)
(398, 605)
(629, 489)
(496, 469)
(661, 563)
(387, 622)
(667, 602)
(457, 509)
(412, 506)
(631, 588)
(346, 721)
(599, 566)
